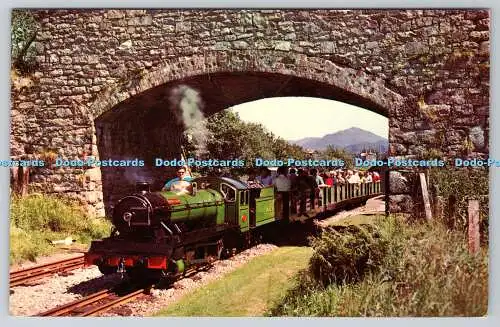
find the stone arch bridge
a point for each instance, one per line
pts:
(103, 78)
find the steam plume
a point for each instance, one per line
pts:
(187, 107)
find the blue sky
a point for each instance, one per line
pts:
(293, 118)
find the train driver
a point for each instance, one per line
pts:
(182, 181)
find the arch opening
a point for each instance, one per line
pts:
(145, 126)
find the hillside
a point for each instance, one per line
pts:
(353, 139)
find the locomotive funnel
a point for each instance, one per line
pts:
(142, 187)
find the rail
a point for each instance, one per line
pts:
(94, 304)
(21, 277)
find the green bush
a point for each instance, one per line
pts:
(345, 254)
(27, 245)
(36, 219)
(463, 184)
(426, 271)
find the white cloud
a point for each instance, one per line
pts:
(294, 118)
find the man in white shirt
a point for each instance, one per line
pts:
(281, 182)
(354, 179)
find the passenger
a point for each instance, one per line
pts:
(329, 178)
(353, 178)
(252, 181)
(362, 178)
(303, 188)
(292, 175)
(281, 182)
(369, 177)
(317, 178)
(180, 183)
(340, 177)
(265, 177)
(251, 175)
(347, 175)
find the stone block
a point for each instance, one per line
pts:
(398, 183)
(282, 45)
(401, 203)
(476, 135)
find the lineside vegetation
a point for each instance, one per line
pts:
(37, 219)
(392, 268)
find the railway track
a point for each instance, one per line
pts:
(24, 276)
(102, 301)
(96, 303)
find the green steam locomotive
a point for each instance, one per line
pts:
(161, 234)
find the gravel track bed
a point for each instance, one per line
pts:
(59, 289)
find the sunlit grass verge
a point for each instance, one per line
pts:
(247, 291)
(35, 220)
(357, 220)
(425, 271)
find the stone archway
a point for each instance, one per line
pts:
(132, 119)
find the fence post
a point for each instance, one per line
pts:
(20, 179)
(473, 230)
(425, 196)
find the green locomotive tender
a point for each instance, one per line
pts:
(160, 234)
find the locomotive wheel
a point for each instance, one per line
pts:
(106, 270)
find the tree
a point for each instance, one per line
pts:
(23, 33)
(228, 137)
(341, 154)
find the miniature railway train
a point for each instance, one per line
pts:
(161, 234)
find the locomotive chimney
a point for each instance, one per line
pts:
(142, 187)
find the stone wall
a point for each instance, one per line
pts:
(427, 70)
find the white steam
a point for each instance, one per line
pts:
(187, 106)
(136, 174)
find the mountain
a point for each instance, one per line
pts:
(379, 146)
(353, 139)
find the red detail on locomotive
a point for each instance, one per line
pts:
(173, 201)
(244, 218)
(130, 261)
(113, 261)
(90, 259)
(157, 262)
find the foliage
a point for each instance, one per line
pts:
(426, 271)
(463, 184)
(229, 137)
(345, 254)
(23, 32)
(35, 219)
(337, 153)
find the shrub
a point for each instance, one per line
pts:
(463, 184)
(36, 219)
(345, 254)
(426, 271)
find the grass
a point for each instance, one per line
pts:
(35, 220)
(247, 291)
(356, 220)
(426, 271)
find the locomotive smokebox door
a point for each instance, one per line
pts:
(142, 187)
